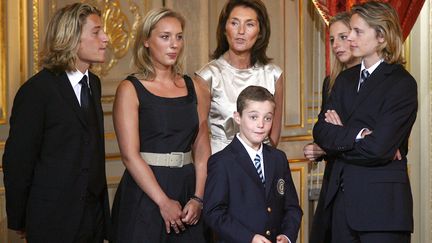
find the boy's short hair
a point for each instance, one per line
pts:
(253, 93)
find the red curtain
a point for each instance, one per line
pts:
(408, 11)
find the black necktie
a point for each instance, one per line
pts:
(85, 94)
(363, 76)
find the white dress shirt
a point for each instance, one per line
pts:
(370, 71)
(74, 78)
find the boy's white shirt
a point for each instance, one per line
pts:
(252, 153)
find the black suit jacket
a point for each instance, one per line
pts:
(237, 205)
(377, 189)
(45, 173)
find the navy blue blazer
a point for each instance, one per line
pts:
(237, 205)
(376, 187)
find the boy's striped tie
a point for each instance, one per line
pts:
(257, 163)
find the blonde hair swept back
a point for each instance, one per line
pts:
(62, 37)
(384, 19)
(141, 58)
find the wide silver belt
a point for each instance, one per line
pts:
(173, 159)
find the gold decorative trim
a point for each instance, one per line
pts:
(321, 12)
(407, 53)
(23, 40)
(35, 8)
(296, 138)
(299, 160)
(302, 113)
(301, 73)
(110, 135)
(107, 99)
(429, 220)
(113, 156)
(3, 82)
(113, 181)
(302, 188)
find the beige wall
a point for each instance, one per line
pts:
(296, 45)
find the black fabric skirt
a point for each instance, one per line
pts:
(137, 219)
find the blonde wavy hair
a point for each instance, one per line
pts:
(62, 38)
(337, 66)
(384, 19)
(141, 58)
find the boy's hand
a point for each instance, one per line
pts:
(260, 239)
(282, 239)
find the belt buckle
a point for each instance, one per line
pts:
(179, 165)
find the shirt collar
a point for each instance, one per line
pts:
(76, 76)
(252, 152)
(371, 68)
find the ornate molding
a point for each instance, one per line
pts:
(301, 123)
(119, 30)
(35, 9)
(3, 83)
(429, 223)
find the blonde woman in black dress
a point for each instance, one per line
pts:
(161, 127)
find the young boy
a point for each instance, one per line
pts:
(250, 195)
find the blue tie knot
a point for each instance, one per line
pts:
(364, 75)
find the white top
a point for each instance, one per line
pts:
(225, 83)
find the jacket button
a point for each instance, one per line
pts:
(268, 232)
(269, 209)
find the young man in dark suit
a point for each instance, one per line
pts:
(366, 126)
(54, 159)
(250, 195)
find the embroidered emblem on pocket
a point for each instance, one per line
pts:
(281, 187)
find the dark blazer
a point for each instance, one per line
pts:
(44, 164)
(321, 223)
(376, 187)
(237, 205)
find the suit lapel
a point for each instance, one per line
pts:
(96, 95)
(245, 162)
(68, 93)
(376, 79)
(269, 169)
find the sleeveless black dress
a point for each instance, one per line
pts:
(165, 125)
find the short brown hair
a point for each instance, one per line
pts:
(253, 93)
(62, 38)
(141, 54)
(258, 52)
(384, 19)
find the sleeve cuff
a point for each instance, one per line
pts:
(287, 238)
(358, 137)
